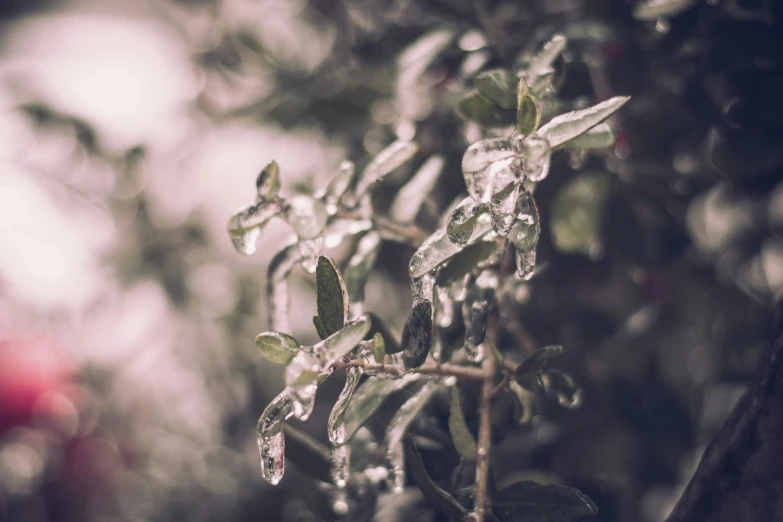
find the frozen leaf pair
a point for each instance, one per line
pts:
(532, 376)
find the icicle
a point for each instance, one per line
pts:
(306, 215)
(526, 263)
(271, 441)
(311, 250)
(245, 226)
(410, 197)
(277, 286)
(475, 312)
(268, 182)
(502, 208)
(536, 156)
(358, 270)
(385, 162)
(338, 186)
(399, 426)
(336, 426)
(438, 248)
(462, 221)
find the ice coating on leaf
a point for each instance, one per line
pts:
(565, 127)
(339, 229)
(311, 250)
(277, 286)
(338, 186)
(410, 197)
(344, 340)
(331, 296)
(385, 162)
(444, 307)
(306, 215)
(462, 221)
(599, 137)
(304, 401)
(542, 62)
(271, 441)
(277, 347)
(485, 152)
(499, 175)
(417, 335)
(268, 182)
(359, 268)
(475, 311)
(422, 287)
(502, 208)
(655, 9)
(438, 248)
(341, 465)
(336, 429)
(303, 369)
(397, 428)
(245, 226)
(368, 398)
(536, 156)
(526, 230)
(526, 263)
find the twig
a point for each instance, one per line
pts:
(429, 368)
(410, 233)
(489, 368)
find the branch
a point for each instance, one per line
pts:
(409, 233)
(489, 367)
(429, 368)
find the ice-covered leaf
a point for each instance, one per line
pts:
(379, 327)
(438, 248)
(359, 267)
(344, 340)
(367, 399)
(245, 226)
(320, 328)
(467, 260)
(542, 61)
(482, 186)
(398, 427)
(378, 348)
(475, 311)
(277, 347)
(599, 137)
(385, 162)
(536, 156)
(528, 373)
(277, 286)
(460, 434)
(435, 496)
(655, 9)
(502, 208)
(568, 126)
(307, 454)
(526, 263)
(475, 107)
(331, 296)
(339, 185)
(499, 86)
(483, 153)
(577, 213)
(268, 182)
(408, 200)
(417, 335)
(525, 399)
(527, 115)
(528, 501)
(303, 370)
(335, 428)
(306, 215)
(526, 230)
(568, 392)
(271, 441)
(462, 221)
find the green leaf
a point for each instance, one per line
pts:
(525, 401)
(389, 341)
(277, 347)
(417, 335)
(378, 347)
(477, 108)
(319, 327)
(462, 221)
(332, 296)
(527, 115)
(368, 398)
(577, 213)
(460, 434)
(599, 137)
(527, 373)
(466, 261)
(568, 392)
(308, 454)
(499, 87)
(437, 498)
(568, 126)
(528, 501)
(268, 181)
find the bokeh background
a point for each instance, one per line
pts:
(130, 132)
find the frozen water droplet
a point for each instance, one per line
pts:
(526, 230)
(311, 250)
(475, 311)
(271, 441)
(335, 428)
(536, 156)
(526, 263)
(303, 369)
(268, 182)
(462, 221)
(306, 215)
(341, 465)
(304, 401)
(245, 226)
(502, 208)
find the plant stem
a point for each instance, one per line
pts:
(394, 231)
(489, 368)
(429, 368)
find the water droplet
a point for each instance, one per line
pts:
(306, 215)
(341, 465)
(462, 221)
(526, 229)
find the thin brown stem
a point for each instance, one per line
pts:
(429, 368)
(489, 368)
(410, 233)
